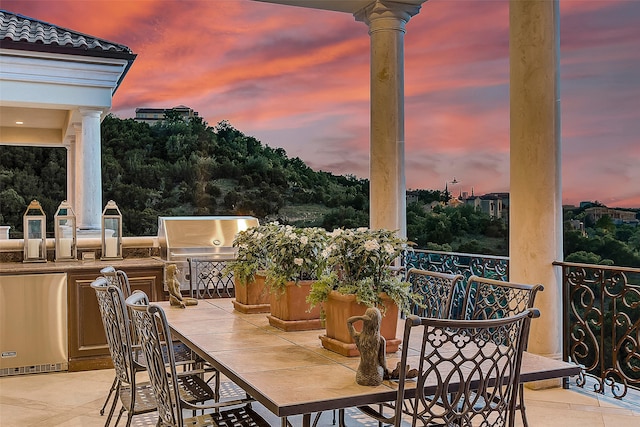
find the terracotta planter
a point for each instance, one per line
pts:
(252, 297)
(339, 307)
(289, 309)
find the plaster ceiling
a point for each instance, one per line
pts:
(32, 117)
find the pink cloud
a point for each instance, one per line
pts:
(299, 79)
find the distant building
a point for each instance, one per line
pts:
(577, 225)
(412, 198)
(154, 115)
(617, 216)
(586, 204)
(455, 202)
(496, 205)
(431, 206)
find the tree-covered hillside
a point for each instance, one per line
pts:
(188, 168)
(182, 168)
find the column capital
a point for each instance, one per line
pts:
(388, 14)
(89, 112)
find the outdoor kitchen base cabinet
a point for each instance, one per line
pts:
(87, 342)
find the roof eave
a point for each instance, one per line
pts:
(74, 51)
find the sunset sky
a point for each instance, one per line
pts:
(298, 78)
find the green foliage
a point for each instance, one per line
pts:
(294, 254)
(283, 252)
(28, 173)
(460, 229)
(605, 223)
(359, 262)
(584, 257)
(605, 243)
(251, 255)
(186, 167)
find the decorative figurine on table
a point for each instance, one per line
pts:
(175, 296)
(371, 345)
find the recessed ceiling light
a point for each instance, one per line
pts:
(19, 123)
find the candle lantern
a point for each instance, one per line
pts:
(111, 231)
(35, 233)
(65, 232)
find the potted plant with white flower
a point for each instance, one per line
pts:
(249, 269)
(295, 261)
(361, 274)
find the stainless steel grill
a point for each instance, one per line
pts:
(200, 246)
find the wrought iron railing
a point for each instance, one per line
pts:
(601, 313)
(601, 324)
(492, 267)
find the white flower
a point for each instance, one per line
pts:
(362, 229)
(336, 232)
(298, 261)
(304, 240)
(371, 245)
(388, 248)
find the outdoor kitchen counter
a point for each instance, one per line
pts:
(87, 344)
(73, 266)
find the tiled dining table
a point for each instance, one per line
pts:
(290, 373)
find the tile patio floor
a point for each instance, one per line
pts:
(74, 399)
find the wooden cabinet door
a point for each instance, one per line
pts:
(87, 342)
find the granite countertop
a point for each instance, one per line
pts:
(63, 267)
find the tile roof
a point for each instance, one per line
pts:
(31, 33)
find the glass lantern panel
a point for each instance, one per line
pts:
(65, 225)
(111, 227)
(34, 229)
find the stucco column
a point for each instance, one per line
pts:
(70, 146)
(89, 172)
(536, 192)
(386, 21)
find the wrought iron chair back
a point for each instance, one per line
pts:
(117, 330)
(442, 293)
(473, 365)
(208, 279)
(494, 299)
(117, 278)
(150, 323)
(152, 326)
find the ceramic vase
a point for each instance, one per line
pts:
(252, 296)
(290, 310)
(339, 307)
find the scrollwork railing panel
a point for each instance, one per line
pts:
(488, 266)
(602, 324)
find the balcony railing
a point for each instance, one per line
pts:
(601, 324)
(492, 267)
(601, 313)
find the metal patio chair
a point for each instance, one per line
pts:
(136, 397)
(208, 279)
(184, 355)
(494, 299)
(152, 327)
(442, 294)
(119, 278)
(468, 372)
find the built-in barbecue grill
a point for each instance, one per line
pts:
(200, 246)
